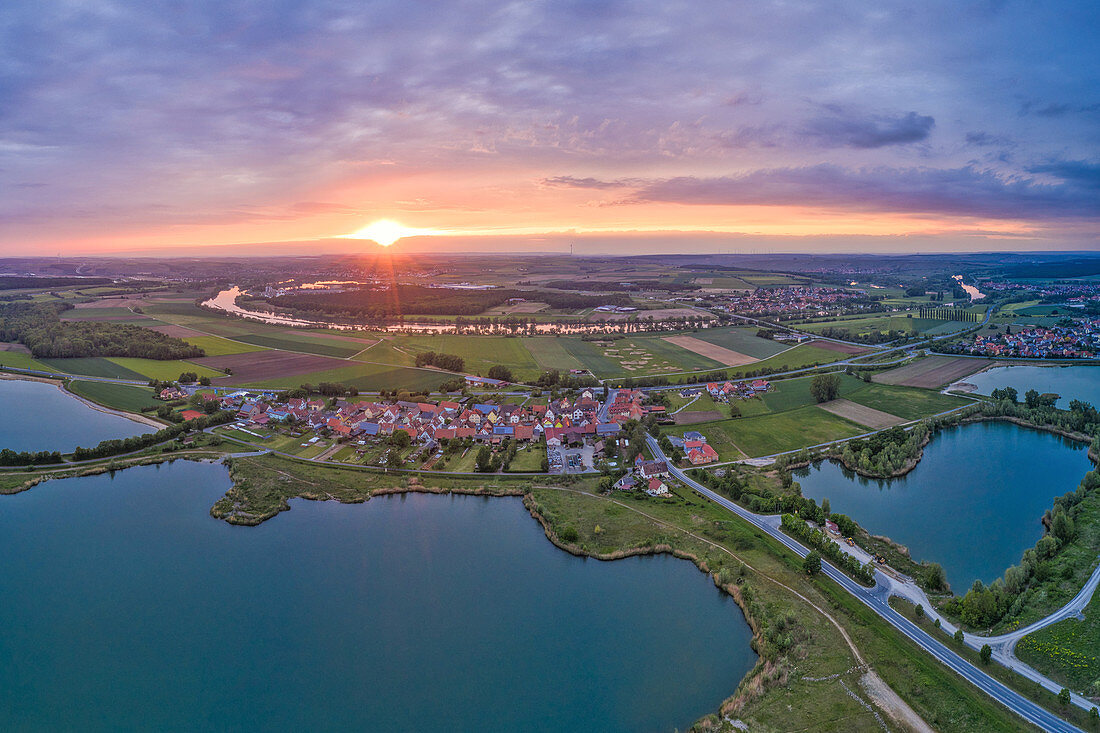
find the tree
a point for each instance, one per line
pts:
(400, 439)
(811, 564)
(825, 387)
(1031, 398)
(826, 508)
(986, 653)
(935, 577)
(204, 381)
(500, 372)
(919, 611)
(735, 411)
(959, 638)
(569, 534)
(393, 459)
(1064, 696)
(484, 460)
(1094, 717)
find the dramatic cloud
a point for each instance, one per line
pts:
(843, 127)
(159, 117)
(958, 191)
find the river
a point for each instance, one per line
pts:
(38, 416)
(972, 291)
(1070, 382)
(128, 607)
(973, 503)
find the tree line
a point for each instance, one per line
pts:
(39, 327)
(400, 300)
(119, 446)
(449, 362)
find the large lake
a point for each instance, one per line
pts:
(125, 606)
(1071, 382)
(973, 503)
(38, 416)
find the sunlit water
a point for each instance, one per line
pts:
(126, 606)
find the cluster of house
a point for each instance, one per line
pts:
(646, 475)
(628, 404)
(1080, 341)
(559, 421)
(695, 448)
(802, 300)
(726, 391)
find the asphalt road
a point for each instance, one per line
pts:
(876, 598)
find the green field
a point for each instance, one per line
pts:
(119, 396)
(773, 433)
(95, 366)
(367, 377)
(619, 360)
(743, 341)
(163, 370)
(1068, 651)
(911, 403)
(479, 352)
(19, 360)
(789, 394)
(549, 352)
(218, 346)
(288, 341)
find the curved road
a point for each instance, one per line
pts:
(876, 598)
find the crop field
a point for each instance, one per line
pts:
(365, 377)
(711, 351)
(479, 352)
(742, 340)
(934, 371)
(319, 345)
(773, 433)
(218, 346)
(96, 366)
(861, 414)
(163, 370)
(118, 396)
(23, 360)
(550, 353)
(910, 403)
(257, 367)
(846, 349)
(790, 394)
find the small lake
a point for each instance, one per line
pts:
(128, 607)
(38, 416)
(1071, 382)
(973, 503)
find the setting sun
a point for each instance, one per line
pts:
(386, 231)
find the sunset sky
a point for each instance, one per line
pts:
(278, 126)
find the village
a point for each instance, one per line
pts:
(1079, 339)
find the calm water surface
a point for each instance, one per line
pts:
(1072, 383)
(38, 416)
(972, 504)
(126, 606)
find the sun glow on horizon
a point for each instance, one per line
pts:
(386, 231)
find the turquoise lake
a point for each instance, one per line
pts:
(973, 503)
(1071, 382)
(39, 416)
(126, 606)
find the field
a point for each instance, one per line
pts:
(118, 396)
(750, 437)
(910, 403)
(789, 394)
(218, 346)
(934, 371)
(742, 340)
(22, 360)
(1068, 651)
(711, 351)
(366, 377)
(479, 352)
(94, 366)
(861, 414)
(163, 370)
(848, 349)
(257, 367)
(635, 356)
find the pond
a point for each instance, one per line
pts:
(973, 503)
(1071, 382)
(128, 607)
(40, 416)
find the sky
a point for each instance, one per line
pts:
(155, 127)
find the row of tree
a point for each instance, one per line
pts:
(120, 446)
